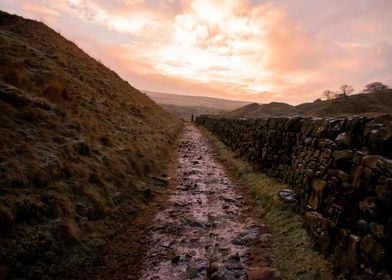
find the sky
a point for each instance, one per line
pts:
(254, 50)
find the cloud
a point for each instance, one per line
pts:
(227, 38)
(254, 50)
(43, 11)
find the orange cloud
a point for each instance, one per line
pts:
(252, 50)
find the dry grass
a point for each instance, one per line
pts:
(17, 77)
(7, 217)
(56, 92)
(293, 251)
(67, 229)
(58, 204)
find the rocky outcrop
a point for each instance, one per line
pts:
(341, 170)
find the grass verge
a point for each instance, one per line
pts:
(293, 251)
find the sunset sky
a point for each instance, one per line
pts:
(261, 51)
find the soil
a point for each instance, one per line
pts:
(206, 229)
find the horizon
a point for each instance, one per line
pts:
(189, 95)
(253, 51)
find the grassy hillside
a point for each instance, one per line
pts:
(273, 108)
(183, 106)
(359, 104)
(77, 147)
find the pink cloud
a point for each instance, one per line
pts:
(276, 50)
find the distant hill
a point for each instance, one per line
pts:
(273, 108)
(184, 106)
(359, 104)
(78, 149)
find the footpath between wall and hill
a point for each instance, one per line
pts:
(341, 172)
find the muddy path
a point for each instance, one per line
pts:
(206, 230)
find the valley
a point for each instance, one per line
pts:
(100, 180)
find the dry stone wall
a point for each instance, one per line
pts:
(341, 171)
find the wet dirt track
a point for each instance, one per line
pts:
(205, 231)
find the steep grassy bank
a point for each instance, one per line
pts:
(292, 248)
(80, 150)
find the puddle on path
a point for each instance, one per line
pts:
(203, 232)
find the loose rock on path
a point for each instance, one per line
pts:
(204, 232)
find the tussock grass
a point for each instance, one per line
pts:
(65, 229)
(56, 92)
(58, 204)
(293, 251)
(7, 217)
